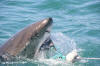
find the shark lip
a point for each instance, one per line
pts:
(27, 42)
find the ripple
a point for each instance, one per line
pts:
(95, 33)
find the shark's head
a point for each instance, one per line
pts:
(28, 41)
(38, 38)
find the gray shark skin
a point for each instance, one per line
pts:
(27, 42)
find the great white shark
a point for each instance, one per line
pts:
(31, 42)
(27, 42)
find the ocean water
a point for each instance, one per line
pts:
(77, 19)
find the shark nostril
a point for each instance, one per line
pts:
(50, 19)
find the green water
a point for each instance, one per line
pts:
(78, 19)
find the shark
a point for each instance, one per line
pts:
(28, 42)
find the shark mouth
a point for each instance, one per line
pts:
(28, 42)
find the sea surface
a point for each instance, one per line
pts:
(77, 19)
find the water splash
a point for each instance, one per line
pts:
(63, 43)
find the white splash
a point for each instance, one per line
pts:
(63, 43)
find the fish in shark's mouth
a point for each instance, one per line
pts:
(28, 42)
